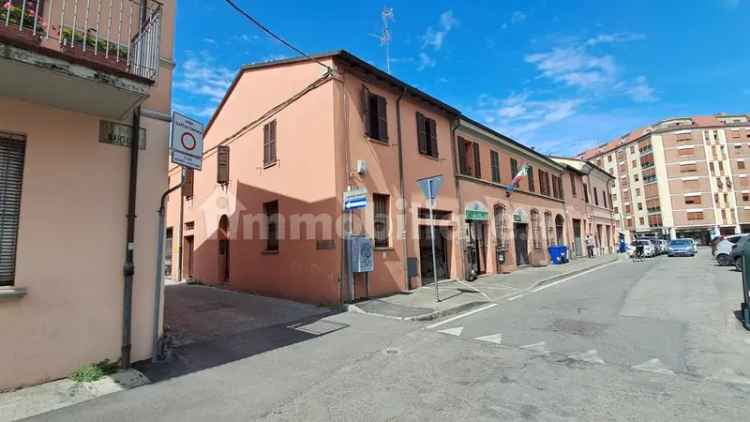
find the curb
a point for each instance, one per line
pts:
(571, 273)
(429, 316)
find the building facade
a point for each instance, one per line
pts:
(70, 178)
(292, 138)
(681, 177)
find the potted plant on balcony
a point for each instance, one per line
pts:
(96, 50)
(18, 22)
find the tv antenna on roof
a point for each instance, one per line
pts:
(385, 37)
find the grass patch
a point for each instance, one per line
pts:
(94, 371)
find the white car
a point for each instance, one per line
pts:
(649, 248)
(724, 248)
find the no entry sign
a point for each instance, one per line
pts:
(187, 142)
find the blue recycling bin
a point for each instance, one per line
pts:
(558, 254)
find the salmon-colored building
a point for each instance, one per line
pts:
(292, 138)
(77, 201)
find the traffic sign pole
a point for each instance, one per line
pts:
(432, 238)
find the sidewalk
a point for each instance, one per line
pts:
(459, 296)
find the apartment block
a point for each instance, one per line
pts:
(681, 177)
(84, 127)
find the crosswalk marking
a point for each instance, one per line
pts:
(456, 331)
(536, 347)
(590, 356)
(653, 365)
(494, 338)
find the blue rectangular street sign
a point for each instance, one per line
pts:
(356, 198)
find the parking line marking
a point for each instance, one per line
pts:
(459, 316)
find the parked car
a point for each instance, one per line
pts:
(737, 251)
(663, 245)
(649, 248)
(724, 248)
(681, 247)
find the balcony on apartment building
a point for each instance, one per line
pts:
(92, 56)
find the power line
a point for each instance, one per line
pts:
(272, 34)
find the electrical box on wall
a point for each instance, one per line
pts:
(360, 254)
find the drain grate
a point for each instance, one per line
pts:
(318, 328)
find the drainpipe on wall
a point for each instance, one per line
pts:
(461, 230)
(129, 267)
(407, 280)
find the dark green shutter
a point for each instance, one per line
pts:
(12, 154)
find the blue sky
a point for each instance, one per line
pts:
(560, 76)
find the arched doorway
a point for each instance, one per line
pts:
(223, 236)
(560, 229)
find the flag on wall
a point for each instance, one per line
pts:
(517, 178)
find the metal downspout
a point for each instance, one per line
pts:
(402, 183)
(129, 267)
(461, 230)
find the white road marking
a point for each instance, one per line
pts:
(459, 316)
(547, 286)
(653, 365)
(494, 338)
(452, 331)
(537, 347)
(512, 298)
(728, 375)
(590, 356)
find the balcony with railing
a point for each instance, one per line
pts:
(93, 56)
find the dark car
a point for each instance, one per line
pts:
(680, 247)
(737, 251)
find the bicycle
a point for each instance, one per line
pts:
(638, 255)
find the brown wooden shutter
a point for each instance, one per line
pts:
(463, 168)
(382, 120)
(421, 134)
(266, 144)
(366, 110)
(433, 137)
(274, 158)
(12, 157)
(187, 185)
(477, 167)
(222, 164)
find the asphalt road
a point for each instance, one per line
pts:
(630, 341)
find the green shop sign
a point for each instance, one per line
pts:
(476, 211)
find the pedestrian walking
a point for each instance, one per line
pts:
(590, 245)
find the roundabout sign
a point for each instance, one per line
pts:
(187, 142)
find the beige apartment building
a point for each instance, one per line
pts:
(681, 177)
(84, 125)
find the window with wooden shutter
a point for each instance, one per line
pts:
(382, 119)
(477, 167)
(222, 164)
(422, 133)
(432, 144)
(366, 110)
(463, 165)
(269, 144)
(513, 167)
(532, 188)
(188, 185)
(573, 184)
(495, 163)
(12, 154)
(271, 210)
(381, 219)
(542, 187)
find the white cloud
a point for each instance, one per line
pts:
(425, 61)
(574, 66)
(620, 37)
(640, 91)
(435, 38)
(194, 111)
(200, 76)
(518, 115)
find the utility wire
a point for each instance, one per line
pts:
(270, 33)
